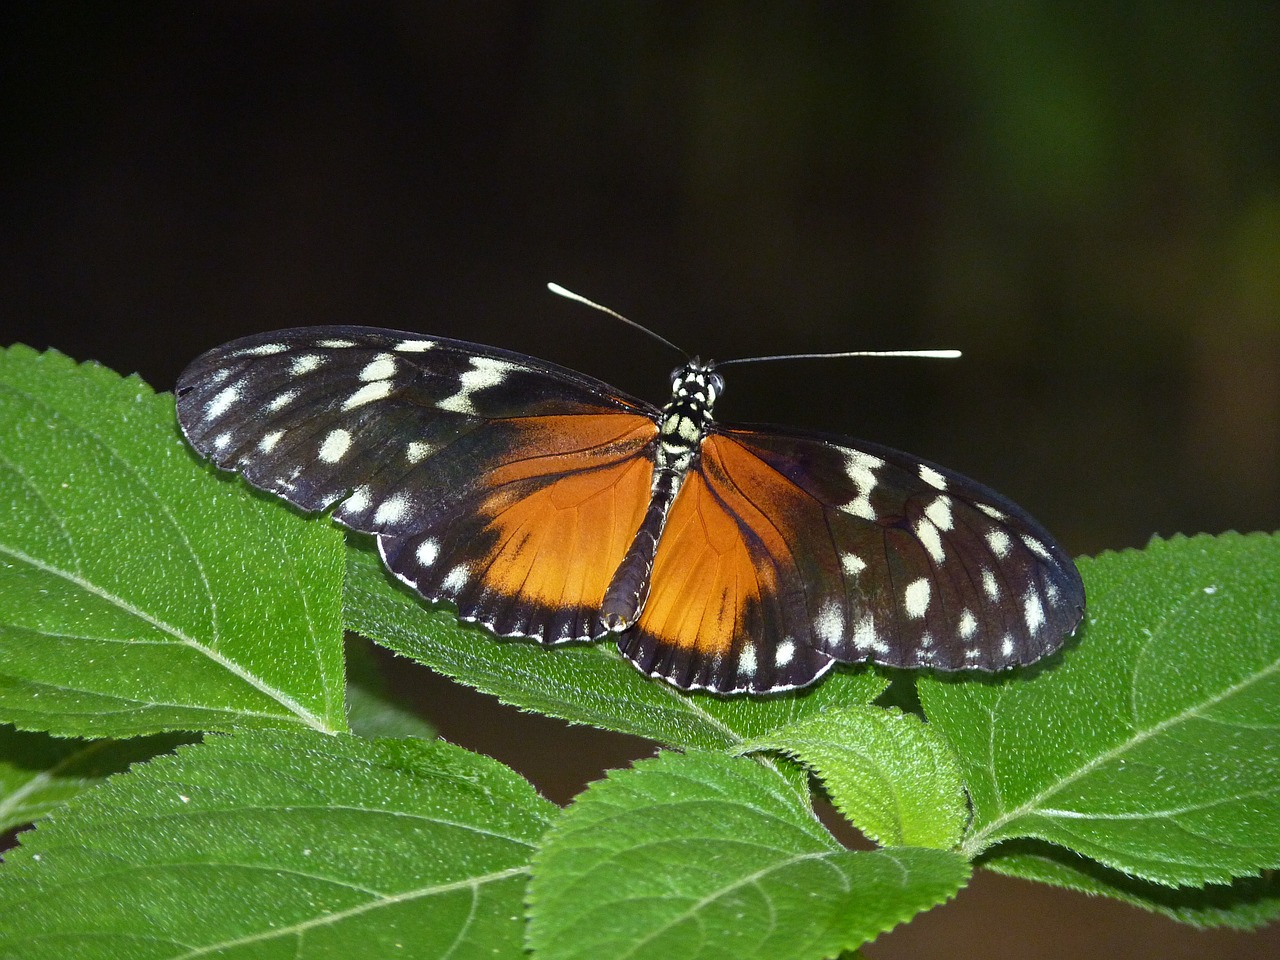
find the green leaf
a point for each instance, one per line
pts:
(372, 710)
(586, 683)
(1153, 746)
(1245, 904)
(708, 856)
(281, 843)
(893, 778)
(39, 773)
(142, 592)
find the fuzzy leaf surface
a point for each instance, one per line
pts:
(1153, 744)
(701, 855)
(142, 592)
(588, 683)
(39, 773)
(282, 843)
(1245, 904)
(886, 771)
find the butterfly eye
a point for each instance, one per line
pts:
(716, 383)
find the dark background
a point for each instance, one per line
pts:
(1084, 198)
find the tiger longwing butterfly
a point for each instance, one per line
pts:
(547, 504)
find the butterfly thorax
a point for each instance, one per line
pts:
(686, 417)
(683, 423)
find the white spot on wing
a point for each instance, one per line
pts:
(265, 350)
(968, 625)
(305, 364)
(485, 372)
(999, 543)
(282, 400)
(221, 440)
(852, 564)
(417, 451)
(392, 510)
(829, 624)
(1036, 547)
(267, 443)
(335, 445)
(861, 469)
(223, 399)
(939, 513)
(427, 553)
(381, 367)
(916, 598)
(928, 535)
(865, 636)
(1006, 646)
(991, 512)
(414, 346)
(784, 653)
(1033, 611)
(456, 579)
(367, 394)
(991, 585)
(336, 344)
(358, 502)
(933, 478)
(747, 661)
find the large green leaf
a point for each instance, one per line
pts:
(372, 709)
(695, 856)
(1153, 746)
(1244, 904)
(588, 683)
(142, 592)
(39, 773)
(891, 775)
(281, 843)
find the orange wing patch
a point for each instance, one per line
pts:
(558, 546)
(718, 614)
(703, 575)
(560, 518)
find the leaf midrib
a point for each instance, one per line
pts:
(285, 700)
(977, 842)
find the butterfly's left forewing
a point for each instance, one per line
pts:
(506, 485)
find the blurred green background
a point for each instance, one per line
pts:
(1084, 198)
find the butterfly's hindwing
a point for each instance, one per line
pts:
(809, 550)
(935, 569)
(723, 613)
(528, 547)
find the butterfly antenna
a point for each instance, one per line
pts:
(925, 354)
(569, 294)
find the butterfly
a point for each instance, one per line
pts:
(546, 504)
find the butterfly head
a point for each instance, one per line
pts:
(695, 388)
(697, 381)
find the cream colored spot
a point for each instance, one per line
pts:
(335, 446)
(916, 598)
